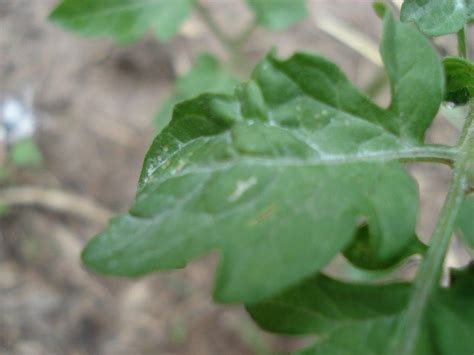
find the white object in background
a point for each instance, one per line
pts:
(17, 120)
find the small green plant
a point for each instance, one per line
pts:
(26, 153)
(18, 149)
(297, 166)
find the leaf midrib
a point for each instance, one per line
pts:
(326, 160)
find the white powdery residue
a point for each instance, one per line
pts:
(241, 187)
(149, 172)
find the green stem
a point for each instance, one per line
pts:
(430, 154)
(429, 274)
(462, 43)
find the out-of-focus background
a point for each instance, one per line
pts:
(87, 107)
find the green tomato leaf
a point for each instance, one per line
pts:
(362, 252)
(465, 220)
(122, 20)
(360, 319)
(415, 73)
(437, 17)
(320, 305)
(207, 75)
(278, 14)
(459, 80)
(277, 177)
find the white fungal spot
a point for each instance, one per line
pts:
(149, 172)
(242, 187)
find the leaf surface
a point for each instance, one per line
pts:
(359, 319)
(459, 79)
(470, 10)
(278, 14)
(320, 305)
(277, 177)
(207, 75)
(437, 17)
(362, 252)
(465, 221)
(122, 20)
(413, 68)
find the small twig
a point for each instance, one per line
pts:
(360, 43)
(246, 33)
(232, 44)
(397, 3)
(350, 37)
(225, 40)
(57, 200)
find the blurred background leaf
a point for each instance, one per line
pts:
(278, 14)
(207, 75)
(122, 20)
(437, 17)
(26, 153)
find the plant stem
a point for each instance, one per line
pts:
(233, 45)
(430, 154)
(238, 42)
(428, 276)
(462, 43)
(243, 37)
(225, 40)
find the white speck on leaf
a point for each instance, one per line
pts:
(242, 187)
